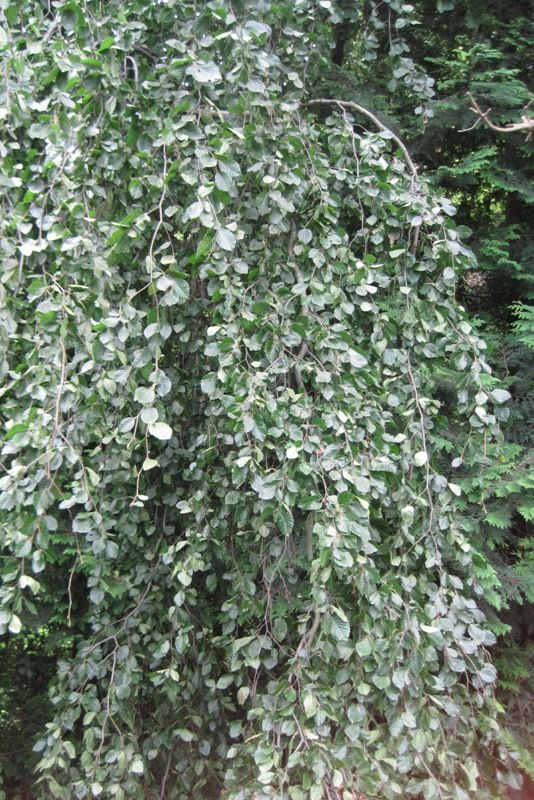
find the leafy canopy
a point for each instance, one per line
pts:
(223, 309)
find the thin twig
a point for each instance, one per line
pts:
(52, 29)
(309, 636)
(61, 387)
(162, 794)
(300, 279)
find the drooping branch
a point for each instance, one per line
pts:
(309, 635)
(299, 279)
(374, 119)
(526, 124)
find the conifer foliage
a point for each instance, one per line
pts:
(227, 474)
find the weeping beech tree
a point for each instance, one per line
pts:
(226, 308)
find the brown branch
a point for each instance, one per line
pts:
(292, 239)
(526, 124)
(51, 30)
(59, 396)
(300, 279)
(309, 635)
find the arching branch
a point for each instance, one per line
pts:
(374, 119)
(526, 124)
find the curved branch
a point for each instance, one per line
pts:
(308, 636)
(527, 123)
(374, 119)
(51, 30)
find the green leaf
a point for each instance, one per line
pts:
(259, 29)
(500, 395)
(149, 415)
(184, 734)
(184, 578)
(339, 625)
(15, 625)
(177, 294)
(106, 44)
(194, 210)
(205, 72)
(28, 581)
(208, 384)
(284, 519)
(145, 395)
(309, 703)
(364, 648)
(488, 673)
(20, 427)
(381, 681)
(357, 360)
(242, 694)
(160, 430)
(226, 239)
(305, 235)
(420, 458)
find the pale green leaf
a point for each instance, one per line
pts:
(160, 430)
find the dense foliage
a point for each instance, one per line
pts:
(440, 61)
(486, 52)
(239, 399)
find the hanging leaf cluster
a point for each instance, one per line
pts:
(222, 311)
